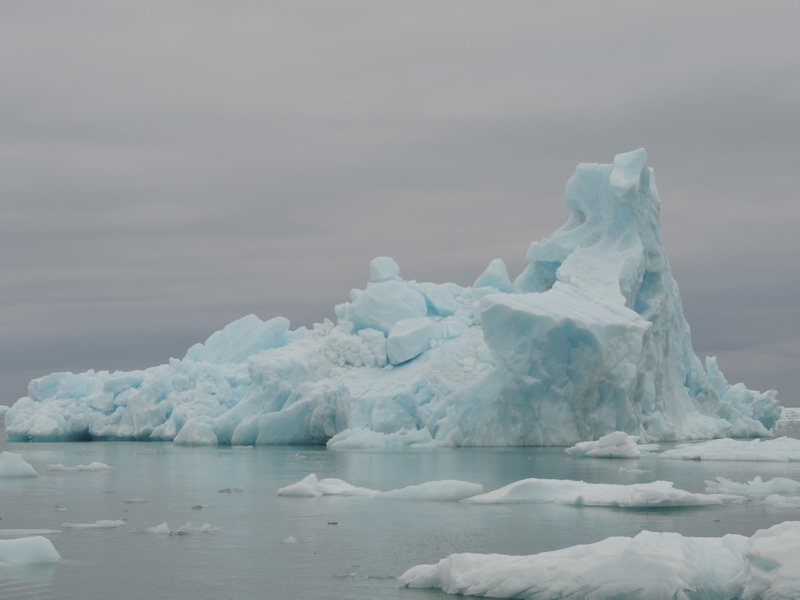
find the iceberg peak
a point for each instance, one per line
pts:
(589, 339)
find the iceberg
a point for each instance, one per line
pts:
(649, 565)
(588, 340)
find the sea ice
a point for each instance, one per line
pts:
(656, 494)
(771, 558)
(27, 532)
(782, 449)
(588, 340)
(35, 550)
(13, 465)
(311, 487)
(4, 409)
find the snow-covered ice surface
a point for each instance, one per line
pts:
(589, 339)
(310, 487)
(783, 449)
(755, 488)
(14, 465)
(101, 524)
(647, 566)
(34, 550)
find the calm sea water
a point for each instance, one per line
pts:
(346, 548)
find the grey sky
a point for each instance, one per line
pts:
(168, 167)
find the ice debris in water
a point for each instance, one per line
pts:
(14, 465)
(780, 449)
(649, 565)
(589, 339)
(614, 445)
(35, 550)
(311, 487)
(93, 466)
(101, 524)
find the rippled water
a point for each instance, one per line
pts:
(347, 547)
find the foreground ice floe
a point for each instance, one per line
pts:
(310, 487)
(649, 566)
(14, 465)
(26, 532)
(782, 449)
(35, 550)
(589, 339)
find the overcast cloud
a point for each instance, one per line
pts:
(168, 167)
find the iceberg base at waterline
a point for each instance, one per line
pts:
(589, 339)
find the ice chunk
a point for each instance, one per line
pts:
(649, 565)
(382, 305)
(27, 532)
(36, 550)
(614, 445)
(656, 494)
(495, 276)
(239, 340)
(93, 466)
(196, 432)
(13, 465)
(782, 449)
(411, 337)
(4, 409)
(771, 558)
(366, 439)
(755, 488)
(383, 268)
(431, 490)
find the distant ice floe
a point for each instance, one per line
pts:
(649, 565)
(185, 529)
(101, 524)
(366, 439)
(14, 465)
(657, 494)
(94, 466)
(782, 449)
(310, 487)
(617, 444)
(35, 550)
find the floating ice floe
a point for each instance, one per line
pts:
(311, 487)
(35, 550)
(648, 566)
(185, 529)
(101, 524)
(656, 494)
(755, 488)
(589, 339)
(617, 444)
(14, 465)
(93, 466)
(365, 439)
(782, 449)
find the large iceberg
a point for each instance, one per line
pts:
(588, 340)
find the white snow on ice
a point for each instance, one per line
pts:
(782, 449)
(311, 487)
(93, 466)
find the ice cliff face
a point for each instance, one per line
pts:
(589, 339)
